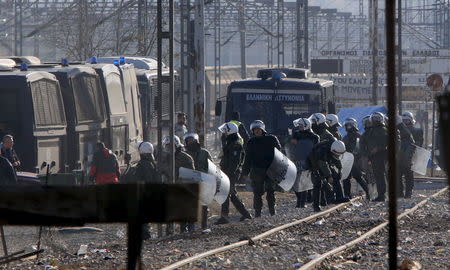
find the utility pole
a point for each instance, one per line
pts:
(243, 38)
(306, 33)
(217, 49)
(374, 39)
(300, 34)
(280, 33)
(141, 27)
(185, 71)
(399, 54)
(361, 26)
(199, 70)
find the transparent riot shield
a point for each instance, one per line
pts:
(347, 164)
(420, 160)
(303, 181)
(282, 171)
(222, 183)
(207, 183)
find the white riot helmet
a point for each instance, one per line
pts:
(377, 118)
(145, 148)
(302, 122)
(318, 118)
(229, 128)
(332, 120)
(398, 120)
(352, 123)
(338, 148)
(191, 135)
(366, 121)
(176, 140)
(408, 118)
(258, 124)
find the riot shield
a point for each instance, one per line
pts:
(207, 183)
(282, 171)
(420, 160)
(303, 181)
(222, 183)
(347, 164)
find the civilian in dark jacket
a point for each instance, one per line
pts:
(7, 172)
(258, 158)
(8, 151)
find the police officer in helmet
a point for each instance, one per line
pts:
(334, 125)
(232, 159)
(302, 142)
(322, 159)
(406, 153)
(376, 147)
(259, 155)
(352, 141)
(417, 133)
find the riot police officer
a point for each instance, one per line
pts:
(351, 141)
(182, 159)
(405, 159)
(232, 159)
(324, 156)
(236, 119)
(376, 147)
(146, 167)
(333, 125)
(320, 127)
(417, 133)
(198, 153)
(259, 155)
(301, 145)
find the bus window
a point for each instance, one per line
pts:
(47, 103)
(115, 94)
(88, 99)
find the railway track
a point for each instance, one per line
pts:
(336, 230)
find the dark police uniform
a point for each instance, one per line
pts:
(258, 157)
(335, 132)
(321, 162)
(417, 134)
(351, 140)
(375, 145)
(233, 157)
(307, 140)
(405, 161)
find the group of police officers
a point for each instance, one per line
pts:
(315, 145)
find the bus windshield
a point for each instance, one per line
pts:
(277, 111)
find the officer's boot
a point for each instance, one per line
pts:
(303, 199)
(347, 186)
(257, 204)
(299, 197)
(362, 182)
(270, 196)
(309, 196)
(323, 200)
(316, 199)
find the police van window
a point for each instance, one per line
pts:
(88, 98)
(47, 103)
(115, 95)
(9, 111)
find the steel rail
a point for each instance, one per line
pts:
(314, 263)
(255, 238)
